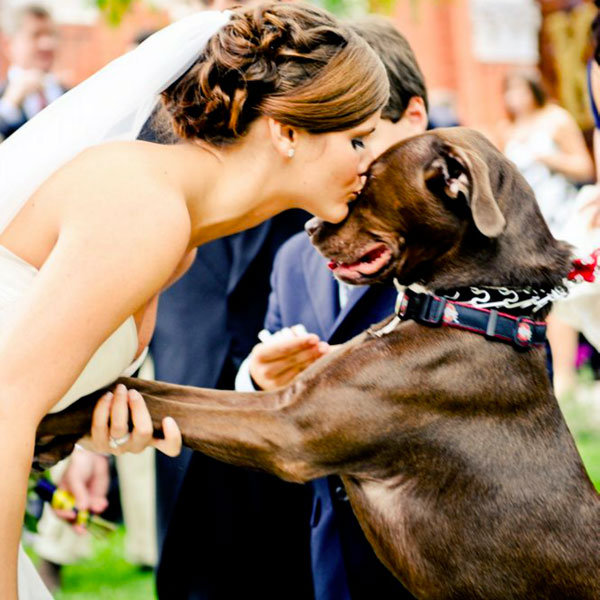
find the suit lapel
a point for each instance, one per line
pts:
(366, 306)
(354, 295)
(322, 291)
(264, 239)
(251, 241)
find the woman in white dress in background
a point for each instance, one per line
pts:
(273, 112)
(548, 148)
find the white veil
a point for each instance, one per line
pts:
(112, 104)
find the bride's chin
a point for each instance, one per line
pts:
(335, 214)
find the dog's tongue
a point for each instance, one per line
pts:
(369, 263)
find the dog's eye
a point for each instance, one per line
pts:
(358, 143)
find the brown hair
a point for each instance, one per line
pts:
(404, 74)
(292, 62)
(533, 81)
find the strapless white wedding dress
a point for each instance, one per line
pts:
(114, 358)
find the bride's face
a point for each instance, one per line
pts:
(329, 169)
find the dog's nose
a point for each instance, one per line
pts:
(311, 227)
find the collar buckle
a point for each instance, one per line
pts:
(432, 308)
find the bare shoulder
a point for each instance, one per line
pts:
(125, 184)
(557, 117)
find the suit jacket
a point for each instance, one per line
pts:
(304, 291)
(225, 532)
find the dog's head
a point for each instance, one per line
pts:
(441, 208)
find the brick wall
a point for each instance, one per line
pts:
(439, 31)
(85, 49)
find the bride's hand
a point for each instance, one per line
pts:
(110, 425)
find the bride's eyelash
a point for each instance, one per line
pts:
(358, 143)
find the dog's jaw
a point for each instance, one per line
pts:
(371, 264)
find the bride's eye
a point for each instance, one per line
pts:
(357, 143)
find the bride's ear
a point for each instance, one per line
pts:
(283, 137)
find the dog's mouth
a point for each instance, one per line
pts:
(372, 264)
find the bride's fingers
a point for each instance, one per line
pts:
(99, 429)
(119, 416)
(115, 408)
(171, 445)
(141, 436)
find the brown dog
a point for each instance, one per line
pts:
(453, 450)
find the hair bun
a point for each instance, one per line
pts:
(262, 57)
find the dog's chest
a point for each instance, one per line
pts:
(382, 505)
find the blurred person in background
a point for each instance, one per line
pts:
(582, 307)
(548, 148)
(591, 210)
(443, 110)
(30, 85)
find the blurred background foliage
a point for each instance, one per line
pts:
(114, 10)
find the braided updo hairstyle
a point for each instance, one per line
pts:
(292, 62)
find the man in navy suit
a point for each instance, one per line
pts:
(225, 532)
(308, 311)
(30, 85)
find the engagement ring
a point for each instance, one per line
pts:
(116, 442)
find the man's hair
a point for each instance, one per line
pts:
(14, 20)
(406, 79)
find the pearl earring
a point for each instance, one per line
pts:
(291, 153)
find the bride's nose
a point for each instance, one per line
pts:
(366, 159)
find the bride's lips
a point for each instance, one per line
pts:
(375, 259)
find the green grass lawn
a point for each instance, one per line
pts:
(106, 576)
(589, 448)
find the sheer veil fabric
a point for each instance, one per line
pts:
(112, 104)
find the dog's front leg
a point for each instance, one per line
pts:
(255, 429)
(322, 423)
(251, 429)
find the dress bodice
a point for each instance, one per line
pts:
(554, 192)
(114, 357)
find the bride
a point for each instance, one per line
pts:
(271, 108)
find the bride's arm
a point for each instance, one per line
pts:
(108, 261)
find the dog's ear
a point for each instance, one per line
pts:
(457, 172)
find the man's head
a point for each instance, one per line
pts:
(32, 38)
(406, 112)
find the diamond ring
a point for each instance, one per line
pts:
(116, 442)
